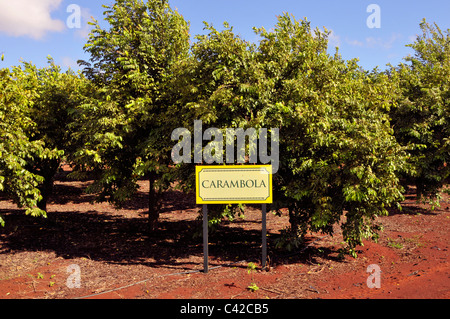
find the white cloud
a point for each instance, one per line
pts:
(68, 62)
(334, 39)
(412, 38)
(29, 18)
(372, 43)
(85, 29)
(381, 43)
(354, 43)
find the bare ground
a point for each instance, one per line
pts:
(118, 258)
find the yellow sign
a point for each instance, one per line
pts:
(233, 184)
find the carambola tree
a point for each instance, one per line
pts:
(338, 156)
(126, 126)
(421, 121)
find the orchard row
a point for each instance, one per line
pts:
(349, 139)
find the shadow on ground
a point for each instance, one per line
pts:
(113, 238)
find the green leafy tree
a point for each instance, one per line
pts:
(210, 84)
(53, 112)
(127, 124)
(339, 158)
(16, 149)
(421, 121)
(338, 155)
(36, 108)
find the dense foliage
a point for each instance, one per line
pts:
(338, 156)
(35, 110)
(53, 113)
(15, 148)
(421, 122)
(127, 126)
(337, 150)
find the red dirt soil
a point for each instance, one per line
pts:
(118, 258)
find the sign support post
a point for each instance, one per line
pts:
(264, 237)
(205, 238)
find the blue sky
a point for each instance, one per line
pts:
(33, 29)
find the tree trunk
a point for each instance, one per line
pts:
(420, 188)
(46, 188)
(293, 220)
(153, 208)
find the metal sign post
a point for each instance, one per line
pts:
(205, 238)
(234, 184)
(264, 237)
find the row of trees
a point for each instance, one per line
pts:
(350, 139)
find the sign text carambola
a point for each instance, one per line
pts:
(233, 184)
